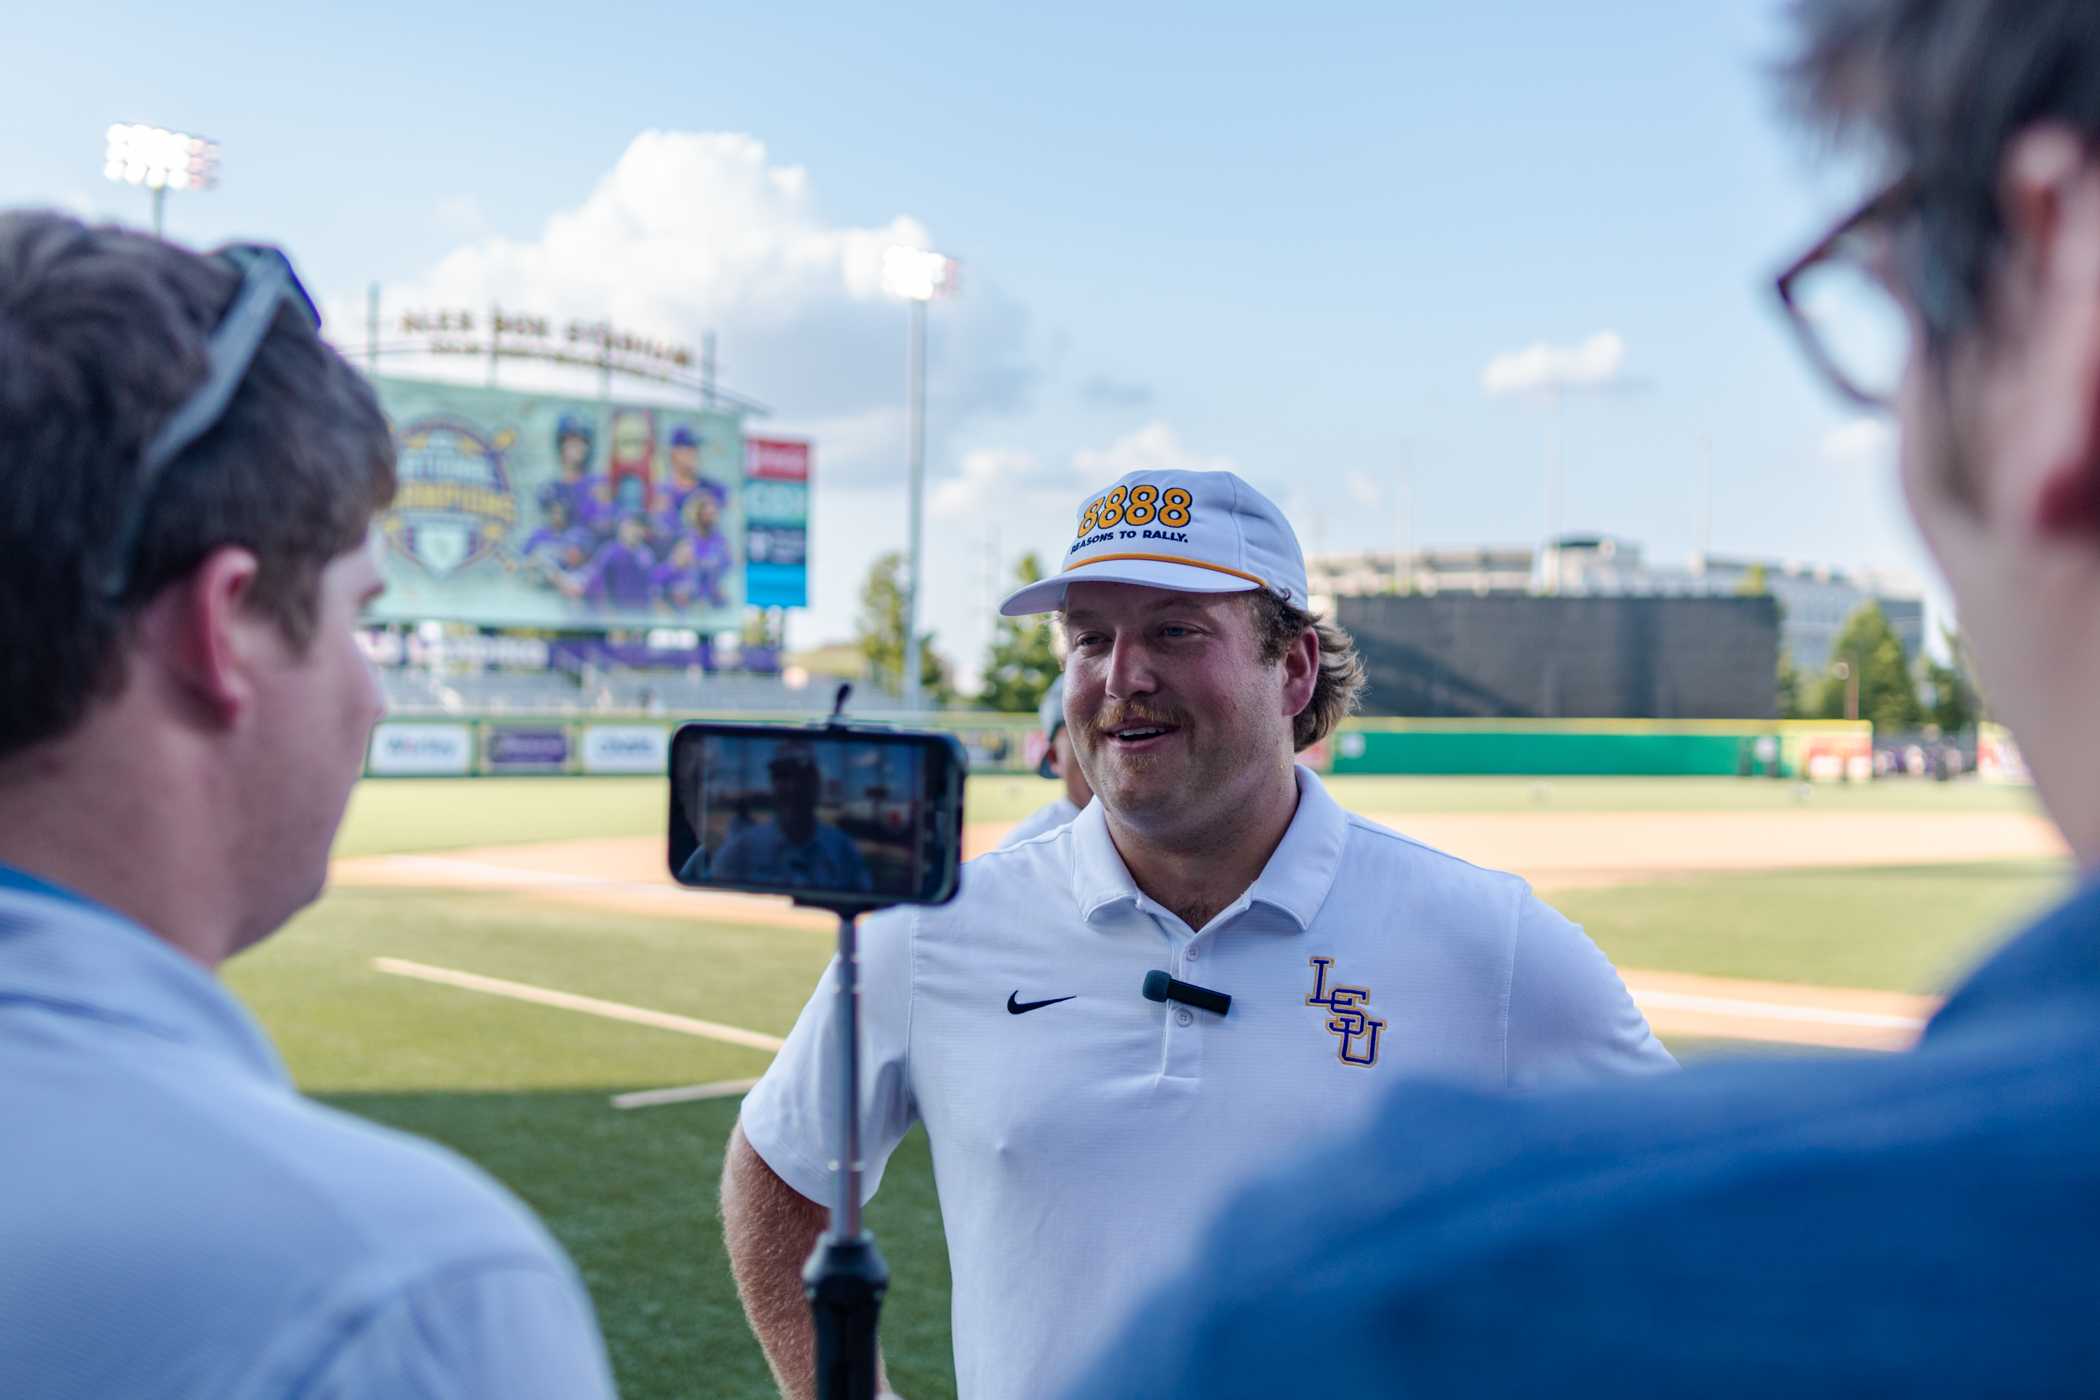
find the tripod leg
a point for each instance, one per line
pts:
(845, 1281)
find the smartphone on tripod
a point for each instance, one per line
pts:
(848, 818)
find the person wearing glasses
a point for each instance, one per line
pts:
(1917, 1224)
(190, 480)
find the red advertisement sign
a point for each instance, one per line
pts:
(776, 459)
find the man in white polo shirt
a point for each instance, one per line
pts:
(1083, 1133)
(1058, 762)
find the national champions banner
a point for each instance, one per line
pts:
(776, 523)
(534, 510)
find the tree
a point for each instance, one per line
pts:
(1022, 660)
(1793, 701)
(1753, 583)
(1956, 703)
(880, 633)
(1868, 648)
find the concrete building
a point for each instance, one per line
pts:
(1817, 600)
(1477, 570)
(1814, 600)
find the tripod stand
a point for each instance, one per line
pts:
(845, 1277)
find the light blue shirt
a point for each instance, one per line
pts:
(177, 1221)
(763, 855)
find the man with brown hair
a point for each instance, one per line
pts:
(190, 482)
(1083, 1129)
(1921, 1224)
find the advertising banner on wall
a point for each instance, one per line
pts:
(626, 748)
(776, 523)
(513, 748)
(535, 510)
(401, 748)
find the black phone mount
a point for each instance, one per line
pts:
(846, 1278)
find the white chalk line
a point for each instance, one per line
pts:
(1772, 1011)
(569, 1001)
(688, 1093)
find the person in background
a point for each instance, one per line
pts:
(1058, 762)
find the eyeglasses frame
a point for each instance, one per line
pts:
(1895, 197)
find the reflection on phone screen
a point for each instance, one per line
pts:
(836, 815)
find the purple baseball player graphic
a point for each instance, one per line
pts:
(545, 542)
(588, 497)
(558, 551)
(692, 575)
(685, 483)
(619, 574)
(697, 559)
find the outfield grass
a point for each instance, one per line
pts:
(390, 815)
(1908, 929)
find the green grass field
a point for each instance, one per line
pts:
(524, 1090)
(427, 814)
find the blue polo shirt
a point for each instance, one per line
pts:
(177, 1221)
(1919, 1224)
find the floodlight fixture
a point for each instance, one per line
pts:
(161, 160)
(917, 274)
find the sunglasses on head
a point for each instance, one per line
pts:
(267, 280)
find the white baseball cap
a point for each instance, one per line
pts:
(1194, 532)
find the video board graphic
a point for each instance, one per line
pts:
(538, 510)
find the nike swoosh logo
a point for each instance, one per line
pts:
(1017, 1006)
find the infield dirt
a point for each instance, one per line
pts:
(1554, 850)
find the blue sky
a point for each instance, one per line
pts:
(1288, 239)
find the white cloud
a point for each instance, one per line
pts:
(460, 215)
(1594, 364)
(1861, 442)
(693, 232)
(988, 482)
(1154, 447)
(1014, 484)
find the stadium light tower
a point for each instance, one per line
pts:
(161, 160)
(918, 276)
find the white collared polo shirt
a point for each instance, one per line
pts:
(1083, 1136)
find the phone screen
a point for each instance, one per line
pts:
(837, 814)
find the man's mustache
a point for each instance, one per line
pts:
(1131, 717)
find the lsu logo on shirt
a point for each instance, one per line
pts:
(1349, 1019)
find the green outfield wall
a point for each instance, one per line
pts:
(1560, 748)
